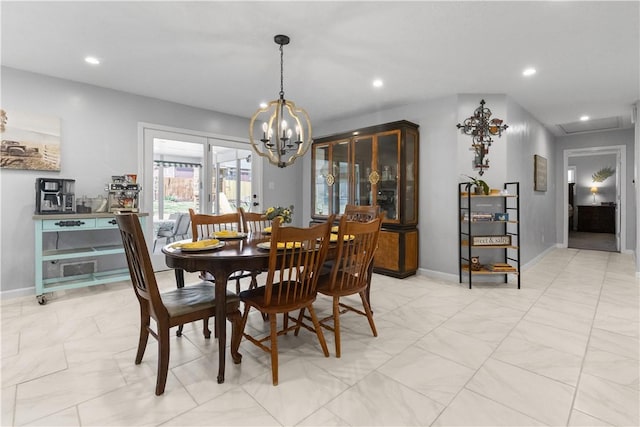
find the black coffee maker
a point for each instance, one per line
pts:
(55, 196)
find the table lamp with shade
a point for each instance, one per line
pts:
(594, 191)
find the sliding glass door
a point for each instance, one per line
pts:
(186, 171)
(231, 179)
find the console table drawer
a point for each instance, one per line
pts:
(68, 224)
(106, 223)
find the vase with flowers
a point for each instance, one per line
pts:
(285, 214)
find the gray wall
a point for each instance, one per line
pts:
(604, 139)
(99, 138)
(527, 137)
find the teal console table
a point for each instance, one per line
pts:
(51, 253)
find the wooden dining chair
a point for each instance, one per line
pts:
(295, 258)
(253, 222)
(362, 213)
(357, 243)
(169, 309)
(205, 225)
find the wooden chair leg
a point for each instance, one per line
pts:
(274, 347)
(316, 325)
(285, 322)
(300, 319)
(238, 285)
(205, 328)
(336, 324)
(236, 335)
(367, 309)
(163, 359)
(254, 280)
(144, 337)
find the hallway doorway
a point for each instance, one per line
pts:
(594, 194)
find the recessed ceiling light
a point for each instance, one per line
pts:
(92, 60)
(378, 83)
(584, 118)
(529, 72)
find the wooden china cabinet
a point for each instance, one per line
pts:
(369, 166)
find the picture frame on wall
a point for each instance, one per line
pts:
(30, 141)
(539, 173)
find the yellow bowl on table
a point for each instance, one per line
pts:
(281, 245)
(226, 233)
(334, 237)
(196, 245)
(289, 245)
(267, 230)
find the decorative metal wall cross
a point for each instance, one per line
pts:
(481, 127)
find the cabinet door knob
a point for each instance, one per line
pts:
(113, 222)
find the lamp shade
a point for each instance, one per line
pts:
(594, 190)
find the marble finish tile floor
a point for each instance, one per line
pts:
(561, 351)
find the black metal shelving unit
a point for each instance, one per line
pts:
(509, 203)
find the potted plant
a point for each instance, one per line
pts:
(480, 186)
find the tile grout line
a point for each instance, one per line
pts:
(464, 387)
(586, 347)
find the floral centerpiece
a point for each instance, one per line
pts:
(278, 211)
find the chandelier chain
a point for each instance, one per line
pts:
(281, 72)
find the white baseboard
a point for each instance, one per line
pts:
(438, 275)
(541, 255)
(17, 293)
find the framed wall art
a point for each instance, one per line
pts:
(539, 173)
(30, 141)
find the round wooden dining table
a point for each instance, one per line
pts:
(236, 255)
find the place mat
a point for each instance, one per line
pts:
(229, 235)
(200, 245)
(281, 245)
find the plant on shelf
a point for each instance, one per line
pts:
(480, 186)
(277, 211)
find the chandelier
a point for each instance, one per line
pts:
(280, 131)
(481, 127)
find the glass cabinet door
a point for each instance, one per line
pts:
(411, 181)
(340, 165)
(321, 169)
(387, 162)
(364, 179)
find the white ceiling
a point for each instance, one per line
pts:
(221, 55)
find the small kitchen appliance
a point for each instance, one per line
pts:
(123, 194)
(55, 196)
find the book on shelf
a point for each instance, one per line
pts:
(478, 216)
(500, 267)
